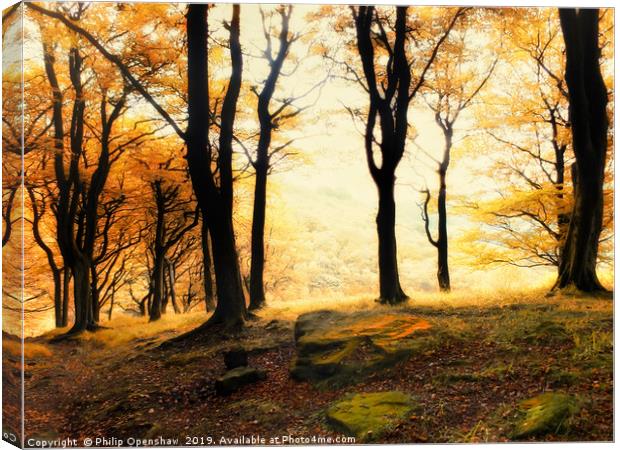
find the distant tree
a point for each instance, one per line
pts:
(390, 90)
(174, 217)
(451, 86)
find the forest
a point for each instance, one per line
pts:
(307, 224)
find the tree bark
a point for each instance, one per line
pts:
(443, 272)
(206, 266)
(66, 285)
(155, 307)
(215, 202)
(171, 290)
(94, 293)
(257, 265)
(389, 281)
(589, 123)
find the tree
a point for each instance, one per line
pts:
(269, 121)
(216, 202)
(174, 217)
(391, 106)
(588, 115)
(451, 87)
(214, 199)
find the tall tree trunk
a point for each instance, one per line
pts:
(262, 163)
(111, 308)
(155, 307)
(231, 308)
(94, 293)
(589, 123)
(58, 316)
(171, 290)
(215, 202)
(206, 267)
(389, 282)
(257, 266)
(81, 295)
(563, 218)
(443, 272)
(391, 107)
(66, 284)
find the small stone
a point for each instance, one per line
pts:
(237, 378)
(236, 357)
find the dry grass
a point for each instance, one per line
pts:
(31, 349)
(123, 329)
(483, 297)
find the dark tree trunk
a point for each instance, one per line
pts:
(82, 298)
(391, 108)
(231, 308)
(215, 202)
(443, 272)
(94, 293)
(262, 163)
(37, 214)
(589, 123)
(563, 218)
(165, 296)
(111, 308)
(171, 290)
(155, 305)
(257, 266)
(58, 316)
(66, 284)
(389, 282)
(206, 267)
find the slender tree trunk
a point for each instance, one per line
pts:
(563, 218)
(257, 266)
(155, 308)
(66, 284)
(111, 308)
(588, 115)
(171, 290)
(94, 293)
(443, 272)
(389, 282)
(58, 316)
(206, 267)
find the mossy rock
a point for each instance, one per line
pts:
(338, 348)
(237, 378)
(370, 415)
(546, 413)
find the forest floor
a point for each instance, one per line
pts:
(120, 383)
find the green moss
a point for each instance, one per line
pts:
(455, 377)
(336, 348)
(546, 413)
(368, 416)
